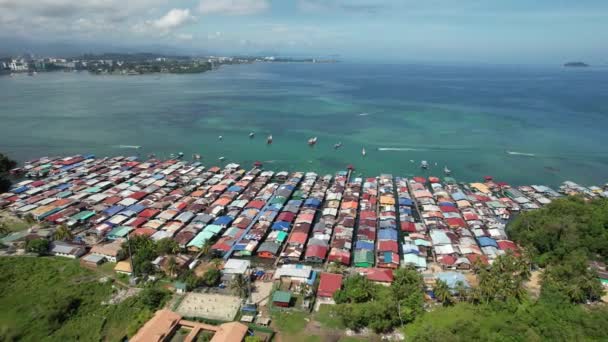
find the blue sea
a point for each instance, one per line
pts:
(522, 125)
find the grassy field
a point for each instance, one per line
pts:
(52, 299)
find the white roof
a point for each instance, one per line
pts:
(236, 266)
(294, 271)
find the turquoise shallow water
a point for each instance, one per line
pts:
(521, 125)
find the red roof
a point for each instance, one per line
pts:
(138, 195)
(298, 237)
(470, 216)
(367, 214)
(37, 183)
(378, 274)
(138, 222)
(328, 284)
(506, 245)
(341, 256)
(449, 209)
(488, 178)
(455, 222)
(473, 257)
(143, 231)
(420, 179)
(112, 200)
(433, 179)
(388, 246)
(408, 227)
(149, 213)
(448, 260)
(256, 204)
(286, 216)
(316, 251)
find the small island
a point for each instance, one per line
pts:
(576, 65)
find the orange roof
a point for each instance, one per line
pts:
(387, 200)
(223, 201)
(349, 205)
(159, 328)
(230, 332)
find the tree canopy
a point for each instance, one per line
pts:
(6, 164)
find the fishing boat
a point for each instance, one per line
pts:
(447, 171)
(424, 164)
(196, 156)
(363, 153)
(251, 135)
(269, 139)
(338, 145)
(180, 155)
(312, 141)
(221, 158)
(257, 164)
(220, 138)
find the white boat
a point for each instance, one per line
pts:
(221, 158)
(424, 164)
(220, 138)
(269, 139)
(338, 145)
(312, 141)
(251, 135)
(363, 152)
(447, 171)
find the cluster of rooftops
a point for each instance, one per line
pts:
(383, 222)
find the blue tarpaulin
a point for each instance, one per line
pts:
(234, 188)
(223, 220)
(364, 245)
(111, 211)
(405, 201)
(312, 202)
(63, 186)
(387, 234)
(281, 225)
(485, 241)
(446, 204)
(458, 196)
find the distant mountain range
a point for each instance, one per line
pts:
(576, 65)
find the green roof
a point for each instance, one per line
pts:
(64, 194)
(200, 239)
(364, 258)
(213, 228)
(449, 180)
(83, 215)
(119, 232)
(93, 190)
(180, 285)
(278, 200)
(281, 236)
(281, 296)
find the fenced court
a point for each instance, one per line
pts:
(210, 306)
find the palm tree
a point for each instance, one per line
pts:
(171, 266)
(206, 249)
(463, 292)
(217, 263)
(4, 229)
(239, 286)
(442, 292)
(63, 233)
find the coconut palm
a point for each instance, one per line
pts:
(4, 229)
(463, 292)
(239, 286)
(63, 233)
(442, 292)
(171, 266)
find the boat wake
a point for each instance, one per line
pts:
(129, 146)
(363, 114)
(521, 154)
(406, 149)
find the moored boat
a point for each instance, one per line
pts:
(251, 135)
(447, 171)
(269, 139)
(312, 141)
(424, 164)
(338, 145)
(363, 153)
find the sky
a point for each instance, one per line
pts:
(486, 31)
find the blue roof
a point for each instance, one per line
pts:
(234, 188)
(451, 278)
(388, 256)
(136, 208)
(111, 211)
(275, 207)
(69, 167)
(387, 234)
(19, 189)
(485, 241)
(132, 158)
(294, 203)
(223, 220)
(312, 202)
(63, 186)
(158, 176)
(281, 225)
(458, 196)
(405, 210)
(447, 204)
(405, 201)
(364, 245)
(287, 186)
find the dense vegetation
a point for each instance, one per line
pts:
(565, 226)
(562, 238)
(364, 304)
(52, 299)
(6, 164)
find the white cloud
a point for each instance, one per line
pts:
(174, 18)
(233, 7)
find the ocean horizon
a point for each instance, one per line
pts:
(520, 124)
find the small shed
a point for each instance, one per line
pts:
(281, 298)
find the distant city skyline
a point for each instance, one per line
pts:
(490, 31)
